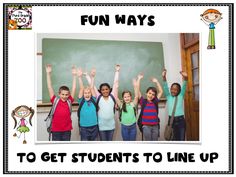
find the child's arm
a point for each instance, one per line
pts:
(92, 76)
(116, 81)
(136, 92)
(48, 68)
(185, 77)
(159, 88)
(89, 81)
(74, 73)
(116, 86)
(81, 85)
(140, 76)
(165, 86)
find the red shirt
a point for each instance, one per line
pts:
(61, 121)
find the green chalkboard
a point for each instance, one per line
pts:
(134, 57)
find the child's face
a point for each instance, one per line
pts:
(22, 112)
(64, 95)
(212, 17)
(150, 95)
(174, 90)
(127, 98)
(105, 91)
(87, 94)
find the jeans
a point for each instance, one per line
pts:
(61, 136)
(106, 135)
(179, 126)
(151, 132)
(128, 132)
(89, 133)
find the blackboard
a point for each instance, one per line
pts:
(133, 56)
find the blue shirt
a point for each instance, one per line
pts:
(88, 115)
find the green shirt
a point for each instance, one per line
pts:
(128, 118)
(171, 100)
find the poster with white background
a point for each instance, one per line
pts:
(208, 145)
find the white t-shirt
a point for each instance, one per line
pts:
(106, 116)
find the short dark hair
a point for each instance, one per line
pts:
(152, 89)
(178, 85)
(64, 88)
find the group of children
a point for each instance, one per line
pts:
(96, 111)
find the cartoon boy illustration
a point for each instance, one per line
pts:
(211, 17)
(22, 112)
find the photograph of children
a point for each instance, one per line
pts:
(121, 88)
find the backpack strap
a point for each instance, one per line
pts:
(112, 97)
(140, 125)
(79, 109)
(70, 105)
(81, 105)
(94, 103)
(50, 116)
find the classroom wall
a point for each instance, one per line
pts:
(172, 62)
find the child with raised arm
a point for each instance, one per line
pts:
(87, 111)
(128, 113)
(149, 110)
(61, 121)
(106, 107)
(176, 92)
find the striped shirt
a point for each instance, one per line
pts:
(150, 113)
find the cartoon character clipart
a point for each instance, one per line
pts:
(211, 17)
(21, 113)
(12, 24)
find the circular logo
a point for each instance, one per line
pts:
(22, 17)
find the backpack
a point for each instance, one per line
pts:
(113, 98)
(49, 118)
(121, 110)
(139, 122)
(80, 107)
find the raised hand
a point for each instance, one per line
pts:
(93, 72)
(184, 75)
(48, 68)
(154, 80)
(79, 72)
(164, 74)
(140, 76)
(74, 70)
(117, 67)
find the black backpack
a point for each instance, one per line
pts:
(139, 122)
(80, 107)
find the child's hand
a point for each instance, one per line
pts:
(117, 68)
(48, 68)
(184, 74)
(164, 73)
(74, 71)
(79, 72)
(140, 76)
(93, 72)
(154, 80)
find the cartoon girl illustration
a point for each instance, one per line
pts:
(211, 17)
(22, 112)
